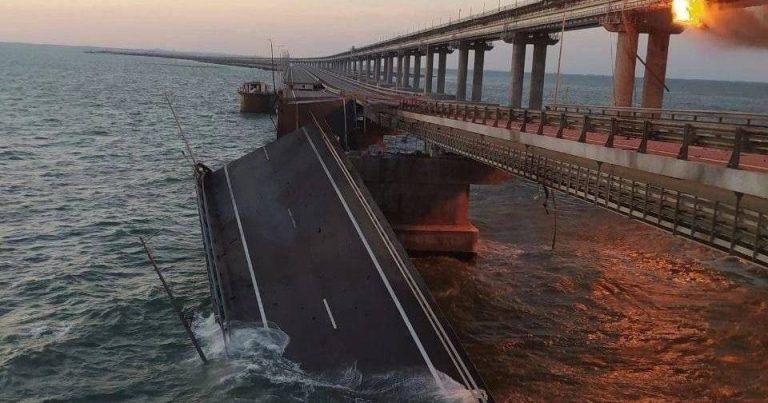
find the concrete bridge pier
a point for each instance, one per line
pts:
(416, 70)
(442, 58)
(399, 76)
(429, 71)
(518, 74)
(390, 68)
(626, 62)
(655, 69)
(659, 26)
(406, 70)
(478, 71)
(461, 77)
(538, 70)
(377, 69)
(367, 67)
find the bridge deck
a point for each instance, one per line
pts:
(298, 243)
(697, 195)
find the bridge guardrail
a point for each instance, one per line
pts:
(737, 225)
(736, 118)
(681, 129)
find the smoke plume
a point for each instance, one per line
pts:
(739, 26)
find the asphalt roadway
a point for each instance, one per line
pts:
(300, 246)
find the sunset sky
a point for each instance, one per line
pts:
(318, 27)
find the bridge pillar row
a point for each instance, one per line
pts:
(479, 69)
(540, 42)
(416, 70)
(429, 71)
(377, 68)
(461, 77)
(406, 70)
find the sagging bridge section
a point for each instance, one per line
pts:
(701, 175)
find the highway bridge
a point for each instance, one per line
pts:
(698, 174)
(296, 243)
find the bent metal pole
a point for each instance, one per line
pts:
(173, 302)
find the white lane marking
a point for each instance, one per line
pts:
(376, 263)
(293, 221)
(330, 315)
(245, 248)
(266, 154)
(437, 326)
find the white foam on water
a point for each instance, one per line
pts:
(253, 359)
(55, 333)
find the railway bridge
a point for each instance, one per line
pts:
(397, 62)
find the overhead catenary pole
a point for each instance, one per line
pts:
(272, 51)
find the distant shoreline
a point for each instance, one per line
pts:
(244, 61)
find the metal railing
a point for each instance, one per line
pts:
(734, 223)
(756, 120)
(737, 133)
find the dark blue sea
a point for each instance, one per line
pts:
(90, 161)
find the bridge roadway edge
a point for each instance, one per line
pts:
(729, 221)
(747, 182)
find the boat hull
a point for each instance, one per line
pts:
(256, 103)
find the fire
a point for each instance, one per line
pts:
(689, 12)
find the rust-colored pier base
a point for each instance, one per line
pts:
(426, 199)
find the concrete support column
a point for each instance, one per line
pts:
(391, 62)
(407, 70)
(477, 72)
(461, 79)
(536, 100)
(624, 72)
(517, 74)
(377, 69)
(385, 68)
(655, 69)
(442, 59)
(399, 76)
(429, 73)
(416, 70)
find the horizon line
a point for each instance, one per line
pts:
(198, 52)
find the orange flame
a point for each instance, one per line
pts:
(689, 12)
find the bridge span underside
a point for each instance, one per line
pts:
(298, 245)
